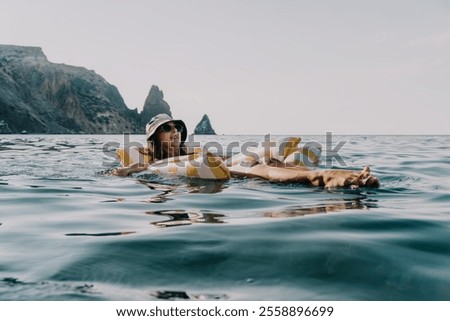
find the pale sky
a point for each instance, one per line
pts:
(258, 66)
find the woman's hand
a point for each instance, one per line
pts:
(128, 170)
(345, 178)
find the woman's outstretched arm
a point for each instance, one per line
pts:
(328, 178)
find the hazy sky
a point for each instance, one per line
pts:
(258, 66)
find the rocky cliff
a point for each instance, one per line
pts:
(154, 105)
(204, 127)
(38, 96)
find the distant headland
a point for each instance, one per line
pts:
(38, 96)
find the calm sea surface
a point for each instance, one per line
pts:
(70, 232)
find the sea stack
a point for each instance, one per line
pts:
(204, 127)
(154, 105)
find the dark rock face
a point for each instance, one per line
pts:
(38, 96)
(204, 127)
(4, 128)
(154, 105)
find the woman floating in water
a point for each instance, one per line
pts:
(166, 153)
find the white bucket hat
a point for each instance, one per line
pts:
(162, 119)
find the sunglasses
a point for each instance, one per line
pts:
(167, 128)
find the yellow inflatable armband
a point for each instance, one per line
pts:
(206, 166)
(305, 157)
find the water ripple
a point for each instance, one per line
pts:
(69, 231)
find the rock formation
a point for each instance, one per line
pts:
(204, 127)
(38, 96)
(4, 128)
(154, 105)
(43, 97)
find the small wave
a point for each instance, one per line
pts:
(12, 288)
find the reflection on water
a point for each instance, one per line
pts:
(184, 217)
(170, 186)
(181, 217)
(329, 206)
(197, 185)
(99, 234)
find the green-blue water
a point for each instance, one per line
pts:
(69, 232)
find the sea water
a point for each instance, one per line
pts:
(68, 231)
